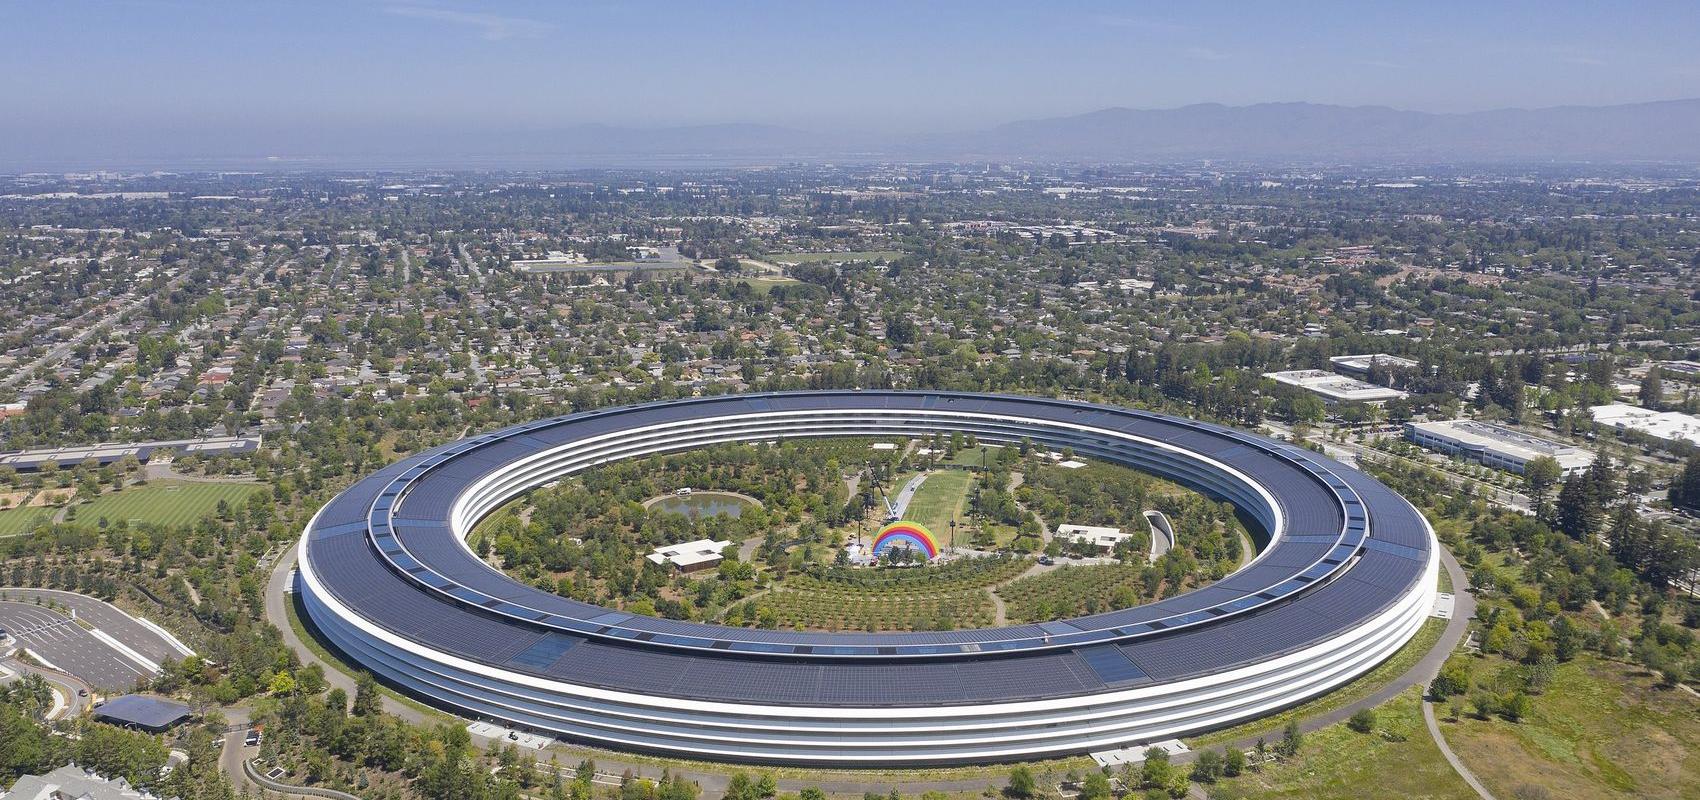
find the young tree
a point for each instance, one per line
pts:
(1233, 762)
(1363, 721)
(1095, 787)
(1156, 771)
(1021, 783)
(1208, 767)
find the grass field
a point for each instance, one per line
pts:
(1602, 729)
(762, 285)
(1396, 759)
(940, 499)
(164, 502)
(14, 521)
(815, 258)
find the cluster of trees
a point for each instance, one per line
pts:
(1208, 533)
(1685, 490)
(1157, 776)
(1534, 616)
(586, 538)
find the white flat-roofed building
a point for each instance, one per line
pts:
(1669, 426)
(1359, 366)
(1103, 538)
(690, 556)
(1495, 445)
(1335, 388)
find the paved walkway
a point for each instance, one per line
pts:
(1421, 673)
(1452, 758)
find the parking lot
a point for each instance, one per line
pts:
(64, 644)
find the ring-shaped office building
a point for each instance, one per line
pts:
(1346, 576)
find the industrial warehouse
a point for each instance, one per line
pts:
(1346, 577)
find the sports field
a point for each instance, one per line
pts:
(940, 499)
(14, 521)
(164, 502)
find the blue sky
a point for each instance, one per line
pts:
(869, 66)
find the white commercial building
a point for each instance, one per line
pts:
(1104, 538)
(1335, 388)
(1669, 426)
(1495, 445)
(690, 556)
(1359, 366)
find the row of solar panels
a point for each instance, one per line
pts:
(386, 539)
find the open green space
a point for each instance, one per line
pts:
(15, 521)
(164, 502)
(837, 258)
(1601, 729)
(763, 285)
(1397, 758)
(940, 499)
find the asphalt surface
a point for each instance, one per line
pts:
(1452, 758)
(58, 639)
(108, 618)
(69, 687)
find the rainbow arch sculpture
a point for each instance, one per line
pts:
(914, 533)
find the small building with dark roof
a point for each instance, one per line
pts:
(143, 712)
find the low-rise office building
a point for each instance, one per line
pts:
(690, 556)
(1669, 426)
(1103, 538)
(1359, 366)
(1334, 388)
(1495, 445)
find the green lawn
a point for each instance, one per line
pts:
(164, 502)
(762, 285)
(813, 258)
(14, 521)
(1396, 759)
(1602, 729)
(939, 500)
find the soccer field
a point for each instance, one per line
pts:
(14, 521)
(164, 503)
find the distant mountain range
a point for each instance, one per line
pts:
(1310, 132)
(1662, 131)
(1269, 133)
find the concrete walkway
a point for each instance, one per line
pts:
(1421, 673)
(1452, 758)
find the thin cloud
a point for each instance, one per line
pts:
(1205, 54)
(489, 27)
(1139, 23)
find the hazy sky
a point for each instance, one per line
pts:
(145, 65)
